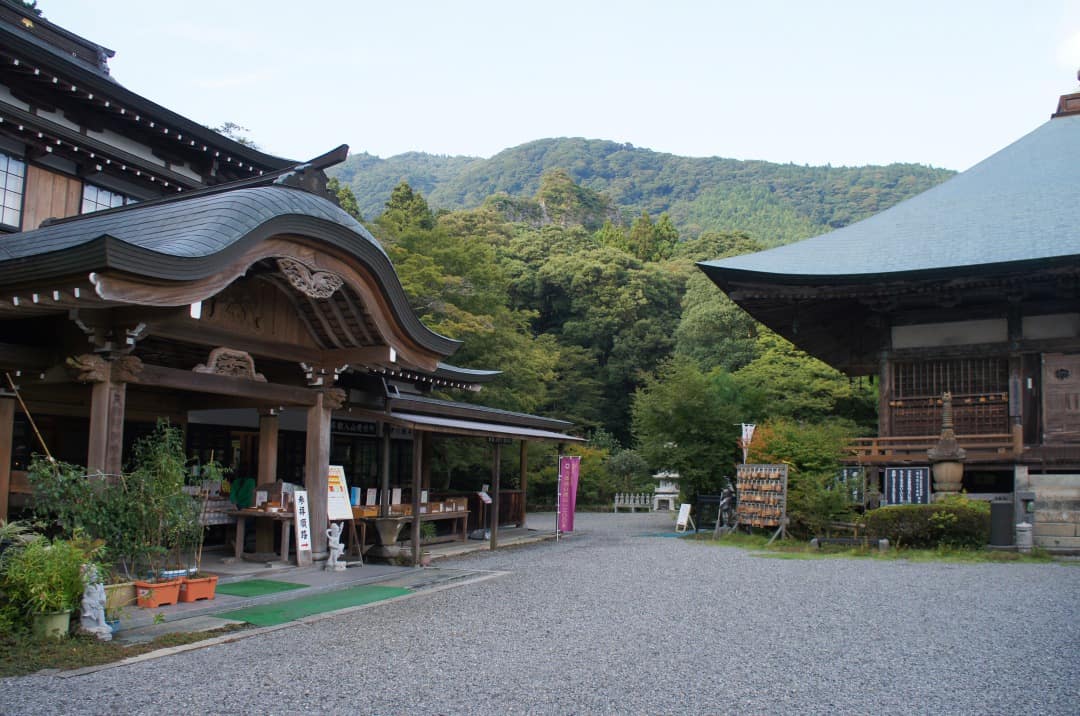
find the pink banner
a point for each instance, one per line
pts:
(569, 471)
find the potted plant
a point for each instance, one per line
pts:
(199, 586)
(165, 517)
(42, 578)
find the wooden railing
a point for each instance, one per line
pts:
(912, 448)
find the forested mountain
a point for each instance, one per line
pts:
(570, 265)
(774, 203)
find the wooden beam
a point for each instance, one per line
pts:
(20, 357)
(268, 446)
(523, 460)
(417, 478)
(316, 471)
(367, 355)
(191, 331)
(384, 464)
(7, 424)
(259, 393)
(495, 501)
(107, 403)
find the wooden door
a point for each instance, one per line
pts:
(1061, 398)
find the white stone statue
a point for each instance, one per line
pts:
(92, 620)
(333, 536)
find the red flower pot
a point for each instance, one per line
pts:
(151, 595)
(193, 589)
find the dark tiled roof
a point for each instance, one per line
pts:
(185, 227)
(465, 375)
(190, 238)
(1017, 206)
(449, 408)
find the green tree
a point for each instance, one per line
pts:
(345, 197)
(628, 470)
(406, 209)
(794, 385)
(237, 133)
(713, 330)
(813, 452)
(686, 421)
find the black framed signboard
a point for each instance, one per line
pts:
(907, 486)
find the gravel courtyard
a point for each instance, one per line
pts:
(617, 619)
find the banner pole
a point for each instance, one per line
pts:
(558, 497)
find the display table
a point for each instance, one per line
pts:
(216, 511)
(264, 522)
(388, 529)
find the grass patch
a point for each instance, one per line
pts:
(21, 654)
(794, 549)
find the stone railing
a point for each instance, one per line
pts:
(633, 501)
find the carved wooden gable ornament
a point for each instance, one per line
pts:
(309, 281)
(231, 363)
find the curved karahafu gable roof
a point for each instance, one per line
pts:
(1015, 207)
(192, 238)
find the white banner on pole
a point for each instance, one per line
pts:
(747, 438)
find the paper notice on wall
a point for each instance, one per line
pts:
(337, 497)
(372, 496)
(395, 496)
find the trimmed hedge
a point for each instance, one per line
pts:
(946, 524)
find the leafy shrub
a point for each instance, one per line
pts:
(812, 451)
(39, 576)
(143, 515)
(956, 522)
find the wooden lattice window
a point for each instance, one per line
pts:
(979, 386)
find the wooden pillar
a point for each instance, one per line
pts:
(107, 402)
(885, 390)
(7, 427)
(1016, 377)
(417, 480)
(268, 446)
(429, 451)
(384, 464)
(317, 469)
(495, 500)
(524, 480)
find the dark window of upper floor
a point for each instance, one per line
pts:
(12, 180)
(95, 198)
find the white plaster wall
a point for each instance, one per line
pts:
(1058, 325)
(954, 333)
(131, 147)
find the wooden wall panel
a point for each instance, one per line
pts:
(49, 195)
(260, 310)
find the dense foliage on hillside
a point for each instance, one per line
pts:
(774, 203)
(605, 322)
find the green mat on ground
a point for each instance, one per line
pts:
(292, 609)
(257, 587)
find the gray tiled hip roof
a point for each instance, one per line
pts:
(1019, 205)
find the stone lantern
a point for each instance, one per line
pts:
(947, 457)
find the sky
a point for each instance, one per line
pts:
(944, 82)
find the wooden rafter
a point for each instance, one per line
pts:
(359, 314)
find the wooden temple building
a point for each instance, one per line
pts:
(972, 287)
(151, 267)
